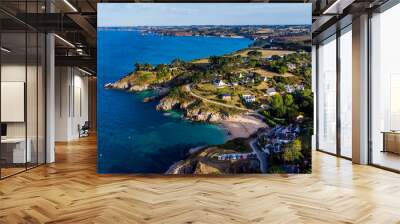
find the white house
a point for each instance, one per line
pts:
(300, 87)
(219, 83)
(264, 106)
(271, 92)
(264, 78)
(291, 66)
(249, 98)
(289, 88)
(225, 96)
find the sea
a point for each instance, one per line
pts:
(133, 137)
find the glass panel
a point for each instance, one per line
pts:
(327, 96)
(31, 100)
(385, 89)
(32, 88)
(13, 89)
(41, 99)
(23, 90)
(346, 92)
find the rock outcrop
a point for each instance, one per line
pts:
(191, 110)
(204, 162)
(167, 103)
(125, 85)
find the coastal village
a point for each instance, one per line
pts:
(275, 37)
(263, 91)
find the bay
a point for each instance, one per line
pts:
(132, 136)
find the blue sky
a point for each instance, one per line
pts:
(179, 14)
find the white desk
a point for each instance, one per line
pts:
(19, 154)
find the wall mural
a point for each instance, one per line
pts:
(204, 88)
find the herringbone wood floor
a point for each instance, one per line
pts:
(70, 191)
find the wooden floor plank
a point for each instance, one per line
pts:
(70, 191)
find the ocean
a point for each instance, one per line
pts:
(133, 137)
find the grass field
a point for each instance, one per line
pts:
(264, 52)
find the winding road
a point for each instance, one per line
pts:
(248, 111)
(262, 156)
(189, 89)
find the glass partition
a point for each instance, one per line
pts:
(14, 153)
(326, 140)
(31, 100)
(346, 92)
(22, 107)
(385, 89)
(41, 107)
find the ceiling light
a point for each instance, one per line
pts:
(65, 41)
(84, 71)
(337, 7)
(70, 5)
(5, 50)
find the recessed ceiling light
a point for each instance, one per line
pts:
(70, 5)
(5, 50)
(64, 40)
(84, 71)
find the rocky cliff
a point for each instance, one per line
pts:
(127, 86)
(204, 162)
(193, 109)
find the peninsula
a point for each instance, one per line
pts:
(262, 96)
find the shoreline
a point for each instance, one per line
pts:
(242, 126)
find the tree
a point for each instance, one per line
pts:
(147, 67)
(238, 59)
(162, 71)
(288, 99)
(215, 61)
(307, 77)
(177, 62)
(253, 63)
(283, 69)
(271, 82)
(162, 68)
(292, 113)
(304, 100)
(138, 67)
(292, 151)
(256, 54)
(280, 87)
(277, 105)
(280, 79)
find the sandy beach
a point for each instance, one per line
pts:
(242, 126)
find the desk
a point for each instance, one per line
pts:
(19, 155)
(391, 141)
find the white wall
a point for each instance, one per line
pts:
(17, 73)
(33, 127)
(71, 102)
(61, 103)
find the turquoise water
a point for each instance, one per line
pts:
(132, 136)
